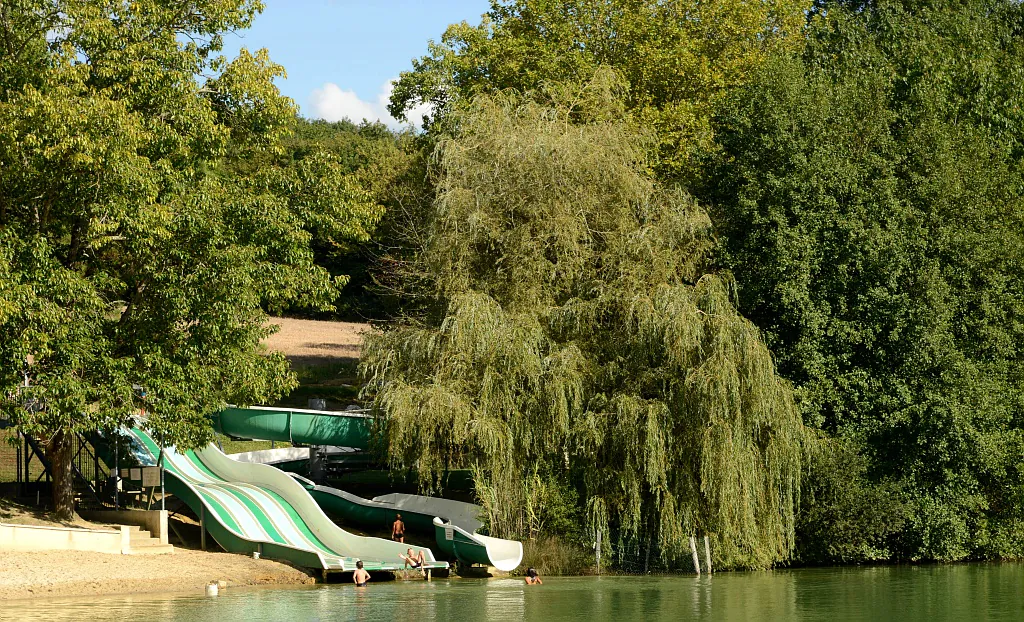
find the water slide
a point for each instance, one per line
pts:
(251, 508)
(295, 425)
(453, 523)
(455, 536)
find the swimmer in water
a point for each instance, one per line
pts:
(360, 577)
(532, 578)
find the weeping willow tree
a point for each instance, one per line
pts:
(577, 332)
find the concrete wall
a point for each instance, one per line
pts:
(33, 538)
(153, 521)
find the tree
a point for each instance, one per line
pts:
(678, 57)
(575, 333)
(135, 267)
(370, 165)
(868, 196)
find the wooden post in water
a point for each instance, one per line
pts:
(117, 472)
(693, 549)
(707, 554)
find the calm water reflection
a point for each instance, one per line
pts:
(905, 594)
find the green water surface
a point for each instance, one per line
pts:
(899, 594)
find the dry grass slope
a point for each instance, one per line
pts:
(313, 342)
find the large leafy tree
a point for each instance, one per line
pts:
(376, 165)
(678, 57)
(576, 332)
(869, 197)
(133, 265)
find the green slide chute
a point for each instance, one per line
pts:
(256, 508)
(294, 425)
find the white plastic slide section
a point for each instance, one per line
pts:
(464, 515)
(287, 454)
(272, 456)
(337, 539)
(505, 555)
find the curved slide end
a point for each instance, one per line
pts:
(505, 555)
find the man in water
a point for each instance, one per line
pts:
(398, 529)
(532, 578)
(413, 560)
(360, 576)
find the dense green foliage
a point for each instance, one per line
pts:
(129, 261)
(364, 165)
(862, 165)
(846, 516)
(677, 56)
(579, 335)
(868, 196)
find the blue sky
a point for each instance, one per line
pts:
(341, 54)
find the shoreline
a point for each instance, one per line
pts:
(58, 574)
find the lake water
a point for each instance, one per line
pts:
(901, 594)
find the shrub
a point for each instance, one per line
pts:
(844, 516)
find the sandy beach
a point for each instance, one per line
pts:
(76, 573)
(55, 574)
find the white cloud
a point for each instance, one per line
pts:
(332, 103)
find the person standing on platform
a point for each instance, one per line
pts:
(398, 529)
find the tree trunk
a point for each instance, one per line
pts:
(707, 553)
(693, 549)
(59, 455)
